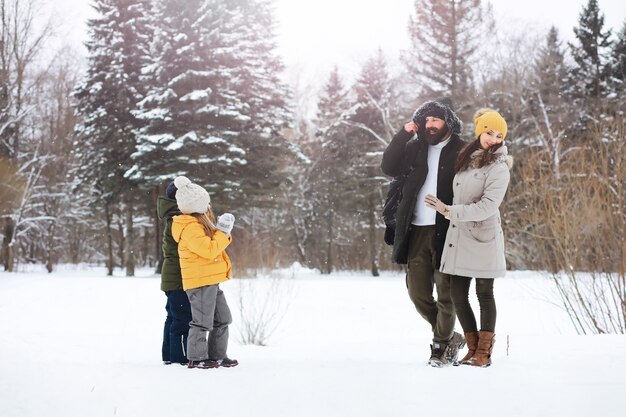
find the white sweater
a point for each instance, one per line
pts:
(423, 215)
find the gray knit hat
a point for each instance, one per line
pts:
(190, 197)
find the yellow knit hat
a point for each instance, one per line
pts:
(488, 119)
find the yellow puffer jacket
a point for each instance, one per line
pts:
(203, 259)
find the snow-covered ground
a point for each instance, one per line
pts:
(77, 343)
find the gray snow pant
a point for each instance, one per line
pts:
(208, 329)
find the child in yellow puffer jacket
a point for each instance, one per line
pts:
(202, 242)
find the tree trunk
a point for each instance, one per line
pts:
(50, 249)
(109, 232)
(300, 241)
(10, 261)
(7, 244)
(158, 232)
(329, 244)
(130, 247)
(74, 248)
(122, 240)
(372, 235)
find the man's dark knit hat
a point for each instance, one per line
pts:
(441, 109)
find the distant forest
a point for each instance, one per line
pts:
(193, 87)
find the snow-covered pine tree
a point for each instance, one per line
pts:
(549, 118)
(550, 70)
(376, 102)
(105, 137)
(444, 37)
(192, 114)
(591, 56)
(372, 118)
(332, 155)
(255, 78)
(617, 67)
(261, 188)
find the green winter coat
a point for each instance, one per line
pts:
(171, 278)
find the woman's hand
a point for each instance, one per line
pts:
(434, 203)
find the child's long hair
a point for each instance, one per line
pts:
(207, 220)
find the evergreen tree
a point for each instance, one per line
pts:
(371, 120)
(216, 107)
(617, 66)
(191, 113)
(257, 69)
(550, 70)
(255, 79)
(549, 118)
(590, 53)
(375, 100)
(105, 137)
(444, 37)
(332, 182)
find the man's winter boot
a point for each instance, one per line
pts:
(472, 343)
(482, 357)
(454, 346)
(438, 355)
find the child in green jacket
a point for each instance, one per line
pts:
(178, 308)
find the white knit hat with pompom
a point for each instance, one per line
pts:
(190, 197)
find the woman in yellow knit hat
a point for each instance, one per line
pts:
(474, 245)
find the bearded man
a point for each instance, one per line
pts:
(425, 151)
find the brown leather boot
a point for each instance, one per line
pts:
(471, 339)
(482, 357)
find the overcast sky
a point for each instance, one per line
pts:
(315, 35)
(318, 34)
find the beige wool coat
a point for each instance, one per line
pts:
(474, 244)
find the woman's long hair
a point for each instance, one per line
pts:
(485, 158)
(207, 220)
(465, 156)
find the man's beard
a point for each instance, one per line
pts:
(434, 136)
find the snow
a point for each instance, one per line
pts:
(78, 343)
(180, 142)
(159, 138)
(196, 95)
(158, 113)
